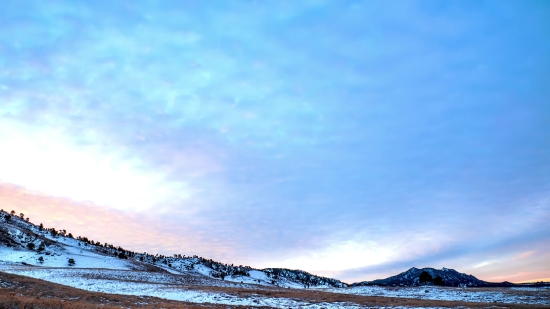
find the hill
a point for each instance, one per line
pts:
(449, 277)
(25, 243)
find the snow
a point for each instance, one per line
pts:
(184, 279)
(59, 257)
(186, 288)
(502, 295)
(156, 285)
(170, 270)
(59, 249)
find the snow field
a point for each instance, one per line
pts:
(447, 293)
(176, 287)
(156, 285)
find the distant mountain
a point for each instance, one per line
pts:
(22, 242)
(450, 277)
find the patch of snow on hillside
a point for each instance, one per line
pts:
(59, 257)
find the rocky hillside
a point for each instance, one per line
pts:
(444, 276)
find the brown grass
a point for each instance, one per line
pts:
(28, 293)
(314, 296)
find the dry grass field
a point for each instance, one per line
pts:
(28, 293)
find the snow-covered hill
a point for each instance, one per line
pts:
(449, 277)
(24, 243)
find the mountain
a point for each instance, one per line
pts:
(450, 277)
(22, 242)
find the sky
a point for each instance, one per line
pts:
(350, 139)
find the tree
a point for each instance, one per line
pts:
(30, 246)
(439, 281)
(71, 262)
(41, 260)
(41, 227)
(425, 277)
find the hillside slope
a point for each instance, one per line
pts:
(22, 242)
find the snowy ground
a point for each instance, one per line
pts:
(165, 286)
(494, 295)
(188, 288)
(102, 273)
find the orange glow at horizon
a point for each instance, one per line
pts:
(536, 280)
(519, 277)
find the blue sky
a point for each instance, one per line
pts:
(352, 139)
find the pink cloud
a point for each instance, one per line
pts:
(137, 231)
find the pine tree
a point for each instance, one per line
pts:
(425, 277)
(439, 281)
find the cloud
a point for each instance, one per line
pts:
(46, 159)
(139, 231)
(275, 133)
(512, 257)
